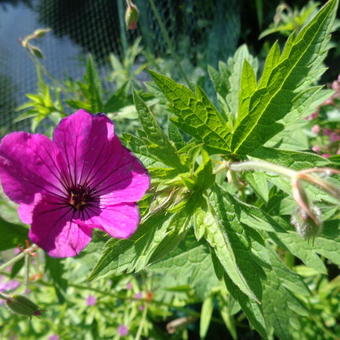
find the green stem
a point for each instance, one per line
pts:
(18, 257)
(169, 42)
(4, 296)
(264, 166)
(27, 271)
(141, 324)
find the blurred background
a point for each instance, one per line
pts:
(202, 33)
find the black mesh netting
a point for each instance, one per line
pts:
(209, 28)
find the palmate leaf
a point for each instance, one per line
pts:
(160, 233)
(280, 232)
(285, 78)
(156, 141)
(189, 264)
(121, 256)
(230, 248)
(194, 113)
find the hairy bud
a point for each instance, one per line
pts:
(306, 226)
(131, 16)
(22, 305)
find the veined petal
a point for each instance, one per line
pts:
(54, 229)
(30, 164)
(85, 141)
(119, 220)
(127, 183)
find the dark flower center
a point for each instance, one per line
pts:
(79, 197)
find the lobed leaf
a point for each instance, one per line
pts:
(296, 69)
(194, 113)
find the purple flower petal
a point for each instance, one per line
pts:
(85, 141)
(91, 300)
(81, 180)
(119, 221)
(55, 230)
(29, 164)
(123, 330)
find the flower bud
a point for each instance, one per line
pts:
(35, 51)
(131, 16)
(40, 32)
(22, 305)
(306, 226)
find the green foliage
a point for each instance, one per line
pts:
(214, 242)
(12, 235)
(287, 20)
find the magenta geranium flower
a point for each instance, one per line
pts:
(82, 179)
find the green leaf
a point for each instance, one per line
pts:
(251, 308)
(280, 307)
(272, 60)
(206, 313)
(236, 66)
(175, 136)
(277, 228)
(231, 248)
(118, 100)
(93, 82)
(11, 235)
(292, 159)
(125, 255)
(55, 269)
(258, 182)
(247, 88)
(189, 264)
(219, 78)
(157, 142)
(301, 58)
(194, 113)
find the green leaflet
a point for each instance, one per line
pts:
(124, 255)
(247, 87)
(155, 139)
(295, 70)
(189, 264)
(291, 241)
(206, 313)
(236, 69)
(155, 238)
(55, 269)
(251, 308)
(194, 114)
(280, 307)
(272, 59)
(231, 249)
(292, 159)
(11, 235)
(94, 89)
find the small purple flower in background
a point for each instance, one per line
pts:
(129, 286)
(327, 132)
(123, 330)
(326, 155)
(91, 300)
(7, 285)
(83, 179)
(316, 129)
(334, 137)
(54, 337)
(139, 295)
(316, 148)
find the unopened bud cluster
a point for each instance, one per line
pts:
(26, 42)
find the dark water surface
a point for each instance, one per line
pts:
(77, 28)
